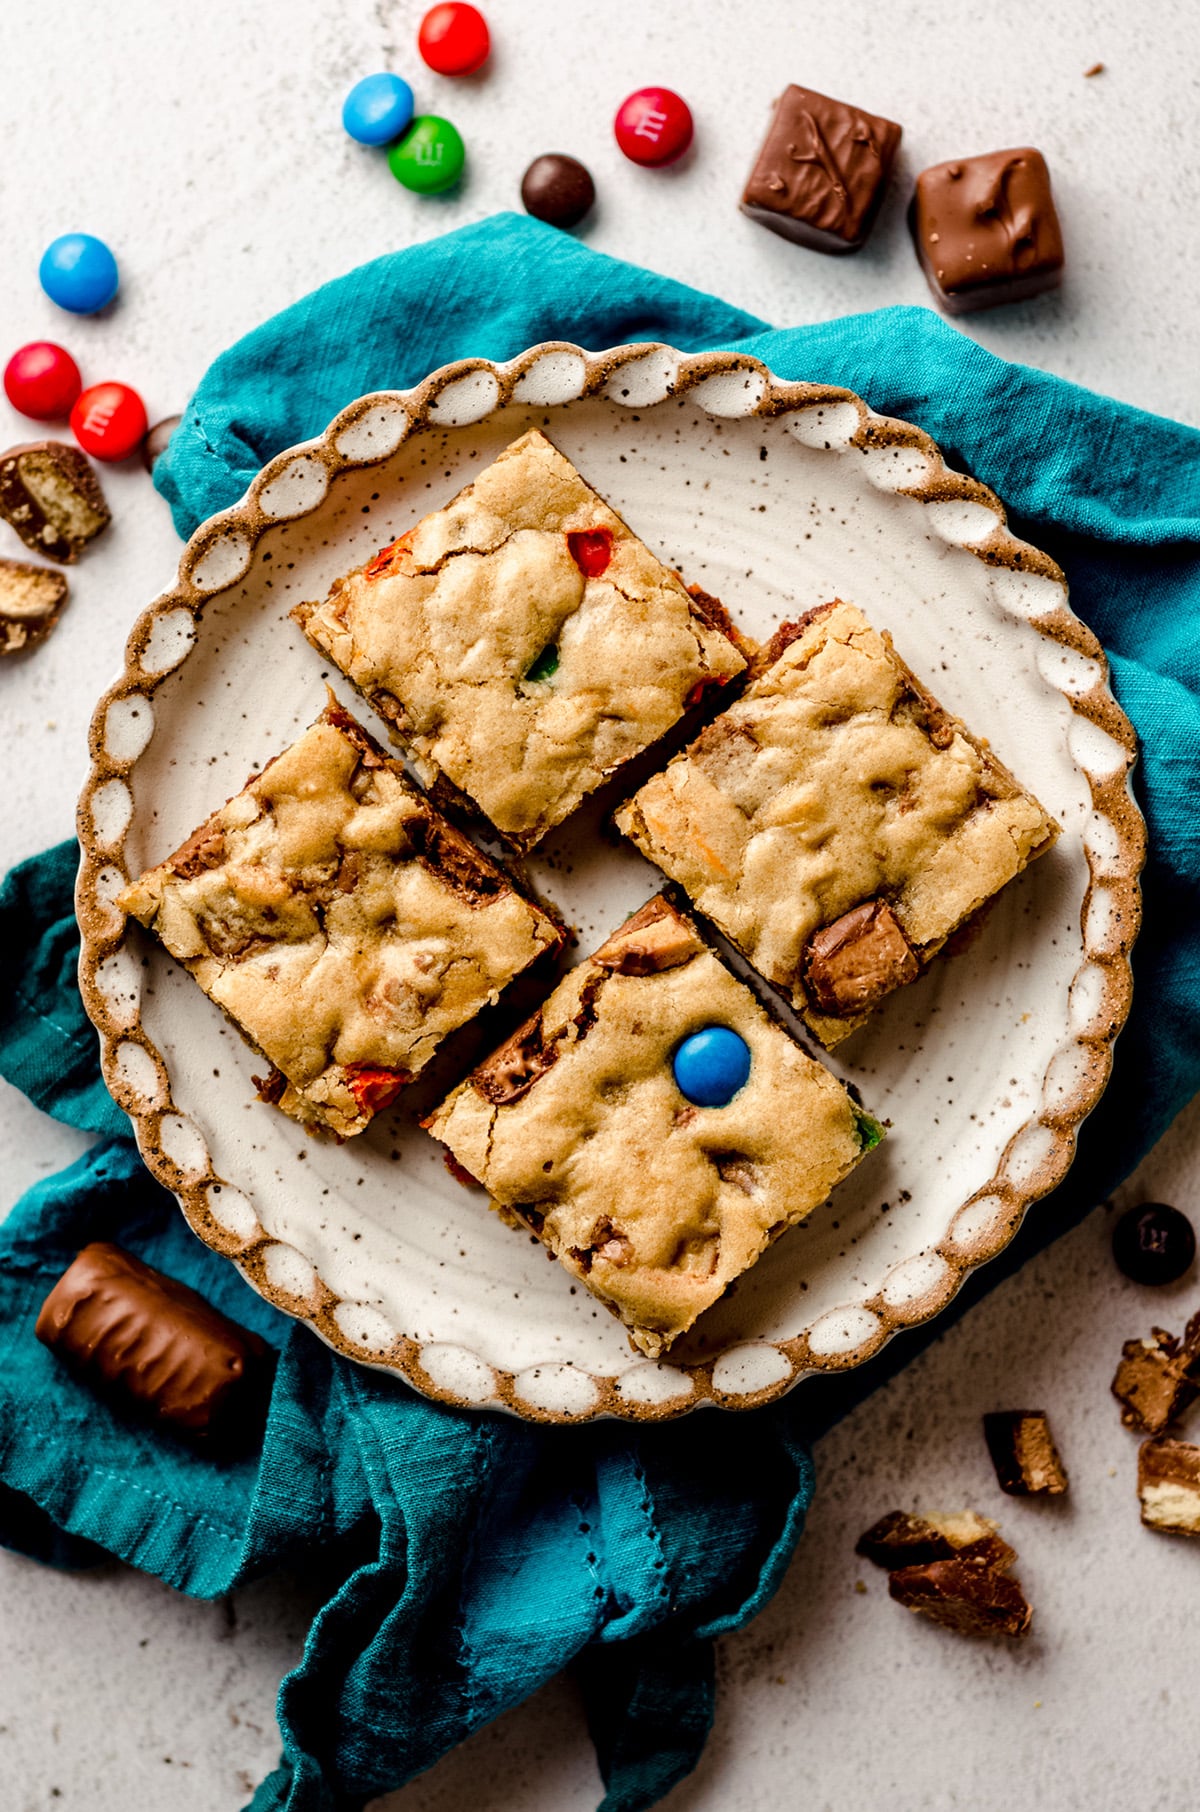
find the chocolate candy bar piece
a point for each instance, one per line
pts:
(51, 496)
(1158, 1378)
(962, 1596)
(901, 1539)
(31, 598)
(986, 230)
(1024, 1454)
(821, 174)
(154, 1344)
(862, 956)
(1169, 1486)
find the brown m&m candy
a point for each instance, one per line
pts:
(986, 230)
(157, 440)
(558, 190)
(155, 1346)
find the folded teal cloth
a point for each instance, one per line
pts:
(469, 1556)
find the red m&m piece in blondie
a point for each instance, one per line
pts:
(109, 421)
(654, 126)
(453, 39)
(42, 380)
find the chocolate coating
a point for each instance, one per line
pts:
(558, 190)
(986, 229)
(821, 174)
(154, 1344)
(155, 443)
(963, 1596)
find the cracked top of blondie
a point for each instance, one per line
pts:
(522, 642)
(579, 1130)
(343, 925)
(836, 822)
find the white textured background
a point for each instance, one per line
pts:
(204, 142)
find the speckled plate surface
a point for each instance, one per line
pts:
(775, 496)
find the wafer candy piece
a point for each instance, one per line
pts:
(31, 598)
(1024, 1454)
(51, 496)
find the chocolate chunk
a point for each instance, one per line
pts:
(155, 1345)
(963, 1596)
(155, 443)
(655, 938)
(986, 230)
(447, 854)
(1158, 1378)
(858, 959)
(31, 598)
(822, 171)
(1024, 1454)
(1154, 1243)
(558, 190)
(51, 496)
(1169, 1486)
(515, 1066)
(901, 1539)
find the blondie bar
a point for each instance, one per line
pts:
(343, 925)
(836, 822)
(654, 1180)
(523, 643)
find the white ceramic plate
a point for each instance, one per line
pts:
(776, 497)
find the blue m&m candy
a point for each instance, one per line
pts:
(378, 109)
(711, 1066)
(79, 273)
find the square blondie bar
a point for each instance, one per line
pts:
(836, 823)
(656, 1199)
(523, 643)
(343, 925)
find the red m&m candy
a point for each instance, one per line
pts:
(42, 380)
(454, 39)
(654, 126)
(109, 421)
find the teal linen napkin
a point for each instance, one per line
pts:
(470, 1556)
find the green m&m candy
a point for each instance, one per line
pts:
(430, 156)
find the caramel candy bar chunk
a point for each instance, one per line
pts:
(962, 1596)
(1169, 1486)
(986, 230)
(858, 959)
(51, 496)
(1024, 1454)
(154, 1344)
(31, 598)
(901, 1539)
(822, 172)
(1158, 1378)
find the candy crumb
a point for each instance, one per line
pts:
(1096, 69)
(860, 1585)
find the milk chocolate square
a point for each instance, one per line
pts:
(986, 230)
(821, 174)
